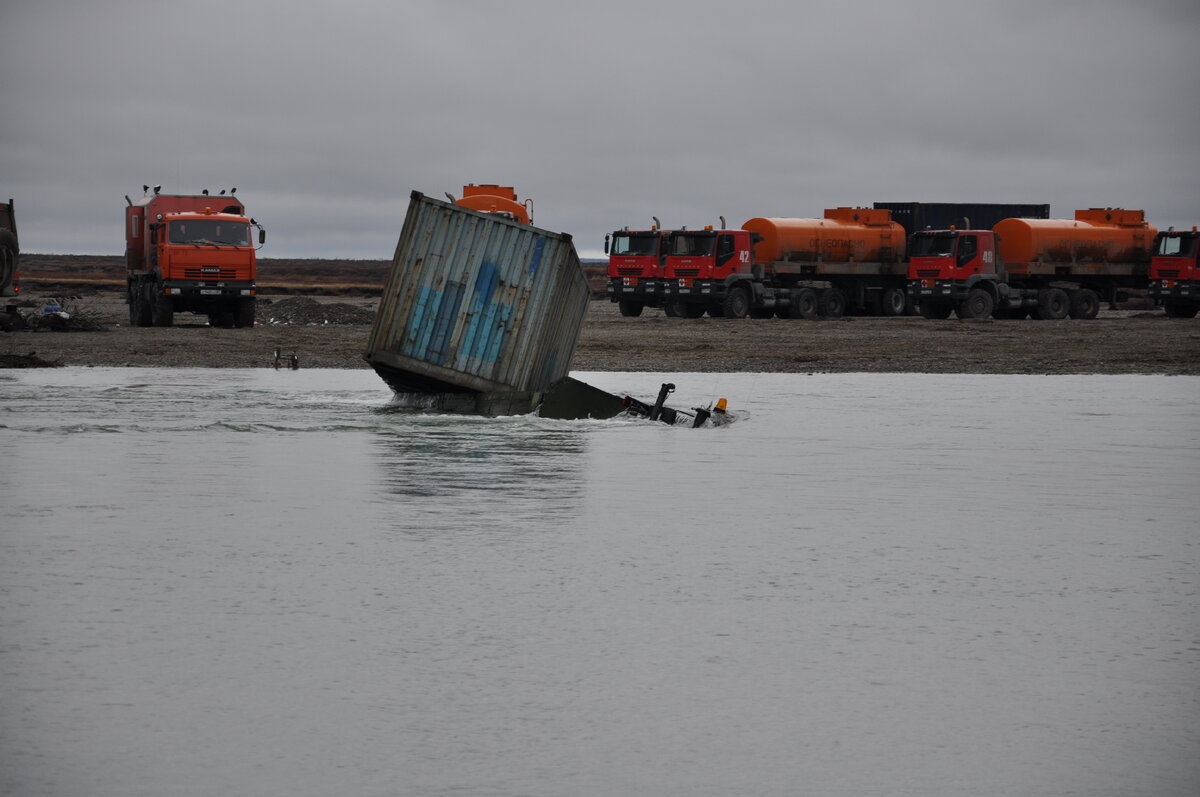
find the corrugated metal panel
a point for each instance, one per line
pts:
(917, 216)
(477, 302)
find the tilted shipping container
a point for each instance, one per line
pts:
(478, 309)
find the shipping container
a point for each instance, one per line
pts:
(917, 216)
(480, 311)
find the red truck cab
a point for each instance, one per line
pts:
(635, 268)
(702, 264)
(944, 267)
(1174, 273)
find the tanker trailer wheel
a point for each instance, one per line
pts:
(737, 301)
(629, 308)
(832, 303)
(1085, 304)
(1053, 304)
(978, 304)
(804, 304)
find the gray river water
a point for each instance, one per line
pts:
(270, 583)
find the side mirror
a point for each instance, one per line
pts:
(262, 236)
(606, 244)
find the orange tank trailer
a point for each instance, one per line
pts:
(1098, 235)
(845, 235)
(496, 199)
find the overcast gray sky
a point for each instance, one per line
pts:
(325, 116)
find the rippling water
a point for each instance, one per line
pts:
(263, 583)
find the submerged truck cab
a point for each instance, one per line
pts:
(1174, 273)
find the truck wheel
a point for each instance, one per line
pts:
(1180, 310)
(671, 309)
(1053, 304)
(832, 303)
(893, 302)
(244, 316)
(978, 304)
(935, 310)
(630, 308)
(139, 306)
(162, 312)
(8, 259)
(1085, 304)
(737, 302)
(804, 304)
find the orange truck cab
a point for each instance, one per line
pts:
(636, 268)
(703, 267)
(190, 253)
(1174, 272)
(1050, 268)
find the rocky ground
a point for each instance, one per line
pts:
(331, 332)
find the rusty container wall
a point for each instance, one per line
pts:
(477, 303)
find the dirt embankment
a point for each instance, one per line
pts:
(331, 332)
(321, 310)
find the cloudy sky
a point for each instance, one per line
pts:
(326, 116)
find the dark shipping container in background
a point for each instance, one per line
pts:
(917, 216)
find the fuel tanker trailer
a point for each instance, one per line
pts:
(852, 259)
(1048, 268)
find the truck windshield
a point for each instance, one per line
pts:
(932, 245)
(1169, 245)
(209, 231)
(697, 245)
(635, 244)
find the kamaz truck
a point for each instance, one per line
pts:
(190, 253)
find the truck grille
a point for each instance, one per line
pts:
(1168, 273)
(927, 272)
(209, 273)
(635, 271)
(686, 272)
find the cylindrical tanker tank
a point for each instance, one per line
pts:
(861, 235)
(1094, 235)
(496, 199)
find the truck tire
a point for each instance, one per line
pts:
(629, 308)
(832, 303)
(1085, 304)
(978, 304)
(671, 309)
(244, 315)
(935, 310)
(804, 304)
(893, 302)
(1053, 304)
(162, 312)
(1180, 310)
(8, 260)
(139, 306)
(737, 302)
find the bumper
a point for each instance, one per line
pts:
(1174, 290)
(208, 291)
(694, 289)
(641, 289)
(937, 291)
